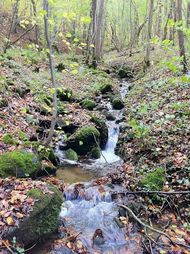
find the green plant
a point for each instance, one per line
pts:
(140, 130)
(8, 139)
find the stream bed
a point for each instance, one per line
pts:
(89, 208)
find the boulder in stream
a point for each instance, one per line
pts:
(118, 103)
(84, 139)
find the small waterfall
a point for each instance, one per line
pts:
(108, 154)
(89, 209)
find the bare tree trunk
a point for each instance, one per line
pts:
(149, 33)
(159, 18)
(52, 69)
(36, 26)
(188, 14)
(16, 19)
(97, 14)
(181, 36)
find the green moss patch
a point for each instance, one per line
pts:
(95, 153)
(8, 139)
(43, 219)
(71, 155)
(154, 181)
(106, 88)
(19, 164)
(117, 103)
(88, 104)
(84, 139)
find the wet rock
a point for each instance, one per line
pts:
(110, 116)
(98, 238)
(119, 222)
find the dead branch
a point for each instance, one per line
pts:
(145, 226)
(169, 193)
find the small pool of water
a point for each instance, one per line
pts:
(74, 174)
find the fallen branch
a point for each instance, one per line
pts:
(20, 37)
(151, 228)
(153, 192)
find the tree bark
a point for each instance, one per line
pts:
(35, 16)
(52, 69)
(149, 33)
(181, 37)
(188, 14)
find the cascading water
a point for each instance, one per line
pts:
(108, 154)
(89, 208)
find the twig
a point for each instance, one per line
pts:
(151, 228)
(7, 246)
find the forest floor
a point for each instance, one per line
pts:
(155, 133)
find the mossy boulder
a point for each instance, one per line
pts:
(18, 163)
(8, 139)
(95, 153)
(88, 104)
(106, 88)
(71, 155)
(117, 103)
(84, 139)
(43, 219)
(154, 181)
(102, 128)
(3, 103)
(64, 94)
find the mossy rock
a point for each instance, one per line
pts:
(102, 128)
(106, 88)
(18, 163)
(154, 181)
(64, 94)
(95, 153)
(88, 104)
(71, 155)
(43, 219)
(8, 139)
(84, 139)
(117, 103)
(3, 103)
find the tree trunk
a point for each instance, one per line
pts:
(35, 16)
(97, 14)
(188, 14)
(181, 37)
(52, 69)
(149, 33)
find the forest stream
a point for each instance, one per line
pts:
(90, 209)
